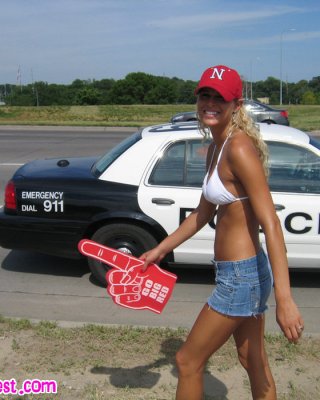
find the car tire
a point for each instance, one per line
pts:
(128, 238)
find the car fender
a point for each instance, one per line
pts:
(134, 218)
(268, 121)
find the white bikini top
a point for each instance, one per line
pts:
(213, 189)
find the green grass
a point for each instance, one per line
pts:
(302, 117)
(110, 115)
(306, 118)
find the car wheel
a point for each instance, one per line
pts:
(130, 239)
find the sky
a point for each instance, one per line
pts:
(58, 41)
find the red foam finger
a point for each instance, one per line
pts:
(128, 286)
(152, 290)
(108, 255)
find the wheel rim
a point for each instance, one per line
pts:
(124, 250)
(126, 246)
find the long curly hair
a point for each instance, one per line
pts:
(242, 121)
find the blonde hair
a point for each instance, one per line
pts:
(242, 121)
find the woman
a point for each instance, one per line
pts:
(236, 188)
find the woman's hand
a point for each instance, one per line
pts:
(289, 319)
(154, 255)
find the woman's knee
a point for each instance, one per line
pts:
(182, 360)
(186, 364)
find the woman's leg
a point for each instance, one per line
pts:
(210, 331)
(249, 338)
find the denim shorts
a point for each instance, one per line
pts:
(242, 287)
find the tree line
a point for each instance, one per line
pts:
(142, 88)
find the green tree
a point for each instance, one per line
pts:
(163, 92)
(308, 98)
(87, 96)
(185, 91)
(79, 84)
(314, 84)
(298, 90)
(21, 96)
(104, 87)
(142, 88)
(268, 88)
(132, 89)
(120, 93)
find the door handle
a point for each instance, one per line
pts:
(279, 207)
(162, 202)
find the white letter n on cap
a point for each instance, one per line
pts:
(217, 73)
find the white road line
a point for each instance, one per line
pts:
(10, 164)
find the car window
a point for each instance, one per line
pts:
(182, 164)
(105, 161)
(293, 169)
(315, 143)
(254, 107)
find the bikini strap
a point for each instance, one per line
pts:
(214, 151)
(229, 134)
(211, 161)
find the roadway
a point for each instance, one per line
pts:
(41, 287)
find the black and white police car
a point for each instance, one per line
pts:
(142, 189)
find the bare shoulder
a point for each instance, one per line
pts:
(243, 156)
(241, 146)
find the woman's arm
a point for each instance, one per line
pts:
(246, 165)
(190, 226)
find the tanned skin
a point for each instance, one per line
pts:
(237, 237)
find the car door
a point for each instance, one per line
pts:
(295, 186)
(171, 189)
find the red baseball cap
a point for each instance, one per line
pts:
(224, 80)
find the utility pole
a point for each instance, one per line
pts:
(281, 57)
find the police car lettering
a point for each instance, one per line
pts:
(52, 202)
(53, 206)
(289, 222)
(27, 208)
(42, 195)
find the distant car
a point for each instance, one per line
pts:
(264, 113)
(140, 191)
(259, 113)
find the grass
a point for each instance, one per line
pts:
(306, 118)
(110, 115)
(302, 117)
(122, 362)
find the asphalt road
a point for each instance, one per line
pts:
(39, 287)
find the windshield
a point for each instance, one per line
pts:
(315, 142)
(105, 161)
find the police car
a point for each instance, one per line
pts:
(141, 190)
